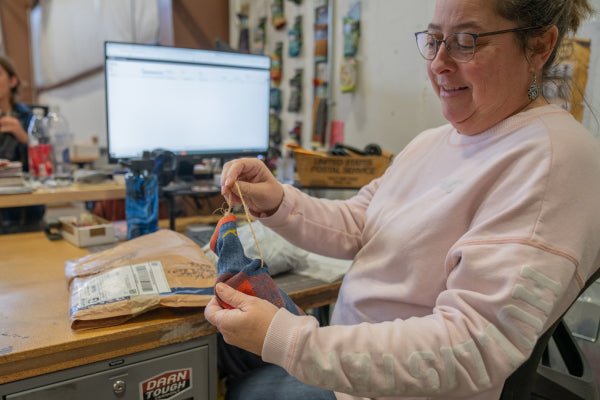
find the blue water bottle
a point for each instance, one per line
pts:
(141, 201)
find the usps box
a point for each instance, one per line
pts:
(321, 170)
(101, 232)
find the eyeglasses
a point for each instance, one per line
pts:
(460, 46)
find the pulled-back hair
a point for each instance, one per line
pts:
(7, 64)
(567, 15)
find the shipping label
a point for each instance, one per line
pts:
(121, 283)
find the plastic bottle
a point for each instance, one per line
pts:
(286, 165)
(61, 140)
(39, 149)
(141, 201)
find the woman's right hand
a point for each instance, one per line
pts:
(261, 191)
(11, 125)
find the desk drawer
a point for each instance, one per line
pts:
(183, 375)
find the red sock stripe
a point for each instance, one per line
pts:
(215, 236)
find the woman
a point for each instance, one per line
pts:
(476, 239)
(14, 120)
(14, 116)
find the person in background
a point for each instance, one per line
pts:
(14, 121)
(14, 116)
(476, 239)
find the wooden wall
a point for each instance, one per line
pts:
(14, 15)
(197, 23)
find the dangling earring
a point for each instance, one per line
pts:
(534, 90)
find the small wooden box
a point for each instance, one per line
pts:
(321, 170)
(81, 236)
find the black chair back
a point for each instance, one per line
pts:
(521, 384)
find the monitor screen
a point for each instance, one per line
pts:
(191, 102)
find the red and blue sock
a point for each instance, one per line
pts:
(242, 273)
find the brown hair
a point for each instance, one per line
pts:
(7, 64)
(567, 15)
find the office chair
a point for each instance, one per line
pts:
(535, 379)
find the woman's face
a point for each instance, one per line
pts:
(6, 84)
(478, 94)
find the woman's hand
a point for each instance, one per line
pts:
(9, 124)
(261, 191)
(246, 325)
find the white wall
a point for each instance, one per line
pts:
(394, 100)
(262, 8)
(591, 29)
(64, 46)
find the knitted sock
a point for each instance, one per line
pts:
(242, 273)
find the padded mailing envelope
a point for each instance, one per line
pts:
(161, 269)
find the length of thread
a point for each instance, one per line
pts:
(249, 222)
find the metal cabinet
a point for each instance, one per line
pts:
(182, 371)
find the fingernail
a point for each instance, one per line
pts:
(219, 288)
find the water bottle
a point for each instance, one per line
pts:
(285, 167)
(60, 138)
(39, 149)
(141, 201)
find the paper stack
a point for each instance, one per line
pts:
(11, 173)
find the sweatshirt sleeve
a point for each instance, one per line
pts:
(331, 228)
(452, 313)
(483, 326)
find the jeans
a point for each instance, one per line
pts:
(250, 378)
(273, 382)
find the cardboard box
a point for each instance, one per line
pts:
(321, 170)
(80, 153)
(101, 232)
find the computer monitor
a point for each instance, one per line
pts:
(194, 103)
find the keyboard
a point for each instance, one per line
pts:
(192, 187)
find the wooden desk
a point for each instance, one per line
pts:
(63, 195)
(35, 334)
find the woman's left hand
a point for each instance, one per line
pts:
(244, 326)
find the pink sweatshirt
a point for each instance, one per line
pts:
(465, 251)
